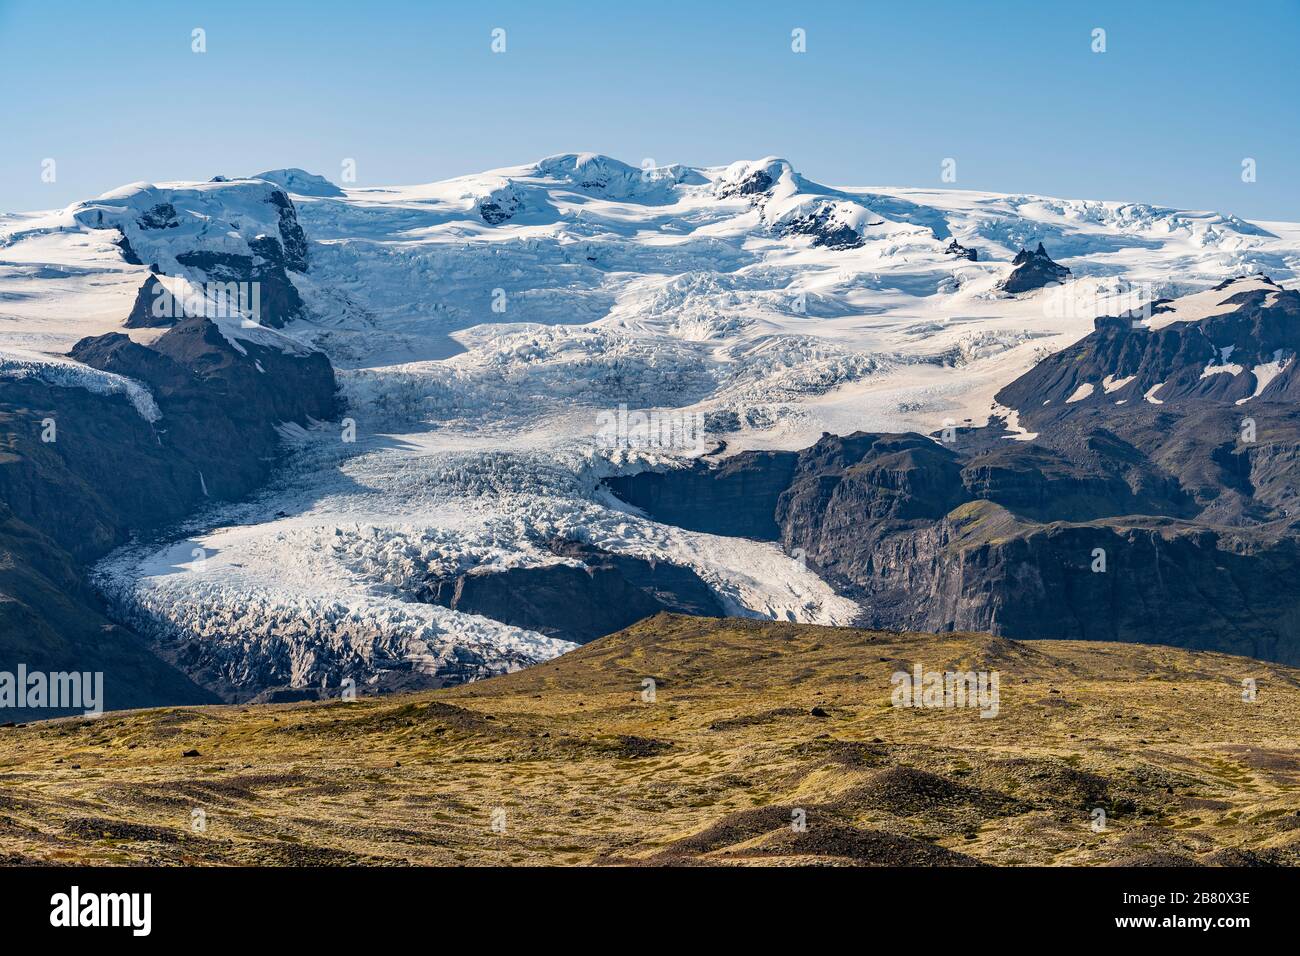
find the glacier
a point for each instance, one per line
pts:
(480, 326)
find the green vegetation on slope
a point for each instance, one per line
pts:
(764, 743)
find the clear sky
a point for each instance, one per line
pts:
(1010, 89)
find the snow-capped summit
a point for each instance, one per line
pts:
(771, 177)
(225, 239)
(612, 178)
(299, 182)
(791, 205)
(159, 224)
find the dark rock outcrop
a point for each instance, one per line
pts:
(736, 498)
(161, 216)
(220, 405)
(111, 473)
(757, 183)
(1032, 270)
(494, 213)
(1119, 520)
(293, 241)
(154, 307)
(824, 229)
(63, 504)
(179, 241)
(955, 248)
(604, 593)
(262, 274)
(1218, 359)
(129, 255)
(500, 206)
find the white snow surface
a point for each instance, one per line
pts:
(1265, 372)
(481, 325)
(1080, 393)
(220, 216)
(300, 182)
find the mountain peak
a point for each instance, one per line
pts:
(299, 182)
(1032, 270)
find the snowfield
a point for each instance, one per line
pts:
(482, 326)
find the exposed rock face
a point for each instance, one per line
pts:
(825, 230)
(273, 301)
(66, 502)
(1117, 520)
(110, 472)
(579, 603)
(736, 498)
(220, 405)
(755, 183)
(1245, 351)
(293, 241)
(503, 204)
(278, 299)
(129, 255)
(50, 621)
(494, 213)
(161, 216)
(1032, 270)
(145, 311)
(792, 206)
(961, 252)
(851, 496)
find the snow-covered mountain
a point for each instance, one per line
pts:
(495, 336)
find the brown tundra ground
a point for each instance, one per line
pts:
(765, 743)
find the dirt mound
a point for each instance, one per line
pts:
(1154, 858)
(99, 828)
(863, 847)
(1048, 779)
(845, 753)
(434, 717)
(734, 828)
(906, 791)
(1232, 856)
(757, 720)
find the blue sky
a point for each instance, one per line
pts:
(885, 92)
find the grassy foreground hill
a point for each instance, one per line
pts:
(754, 729)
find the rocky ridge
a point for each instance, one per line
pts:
(83, 469)
(1101, 515)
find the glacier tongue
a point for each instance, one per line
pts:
(323, 587)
